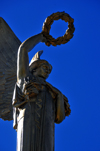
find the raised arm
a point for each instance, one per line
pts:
(22, 57)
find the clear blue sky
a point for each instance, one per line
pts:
(76, 67)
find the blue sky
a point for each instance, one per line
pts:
(76, 67)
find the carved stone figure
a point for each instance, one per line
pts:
(34, 105)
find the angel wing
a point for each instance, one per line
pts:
(9, 44)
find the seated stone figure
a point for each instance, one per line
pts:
(37, 104)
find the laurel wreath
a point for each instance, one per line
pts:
(47, 26)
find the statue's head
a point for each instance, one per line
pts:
(38, 67)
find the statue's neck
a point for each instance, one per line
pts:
(41, 80)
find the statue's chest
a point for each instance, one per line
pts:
(38, 106)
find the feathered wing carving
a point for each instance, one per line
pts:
(9, 44)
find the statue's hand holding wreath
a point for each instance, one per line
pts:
(44, 39)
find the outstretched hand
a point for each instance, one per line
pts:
(44, 39)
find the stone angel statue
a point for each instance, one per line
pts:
(33, 104)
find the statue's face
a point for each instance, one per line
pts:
(42, 71)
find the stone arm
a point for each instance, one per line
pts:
(60, 110)
(22, 57)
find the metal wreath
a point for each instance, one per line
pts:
(47, 26)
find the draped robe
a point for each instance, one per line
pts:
(34, 120)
